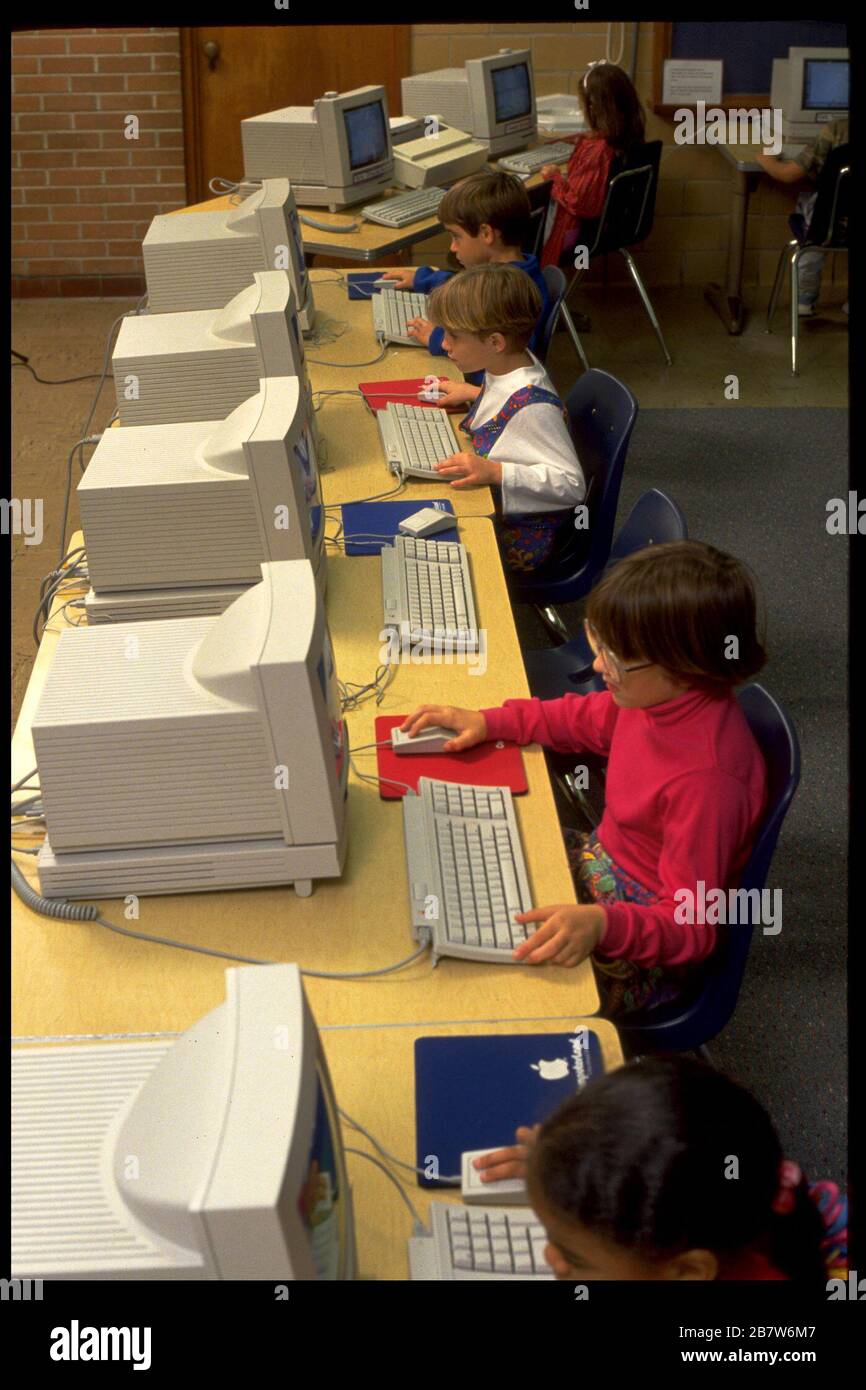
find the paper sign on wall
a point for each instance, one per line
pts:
(687, 80)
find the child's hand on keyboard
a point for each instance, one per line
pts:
(454, 395)
(420, 330)
(403, 279)
(469, 470)
(508, 1162)
(568, 933)
(471, 726)
(549, 171)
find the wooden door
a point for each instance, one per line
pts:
(248, 70)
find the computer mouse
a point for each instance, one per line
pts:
(507, 1192)
(429, 740)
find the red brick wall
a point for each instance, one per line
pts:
(83, 194)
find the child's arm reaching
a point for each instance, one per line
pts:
(781, 170)
(569, 725)
(575, 722)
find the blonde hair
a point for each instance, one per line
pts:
(484, 299)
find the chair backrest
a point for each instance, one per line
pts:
(629, 207)
(829, 224)
(653, 519)
(556, 289)
(601, 416)
(683, 1028)
(540, 202)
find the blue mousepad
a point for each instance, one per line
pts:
(360, 283)
(473, 1092)
(382, 519)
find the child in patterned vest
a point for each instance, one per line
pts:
(517, 425)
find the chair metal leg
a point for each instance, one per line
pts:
(777, 283)
(573, 334)
(552, 621)
(795, 307)
(641, 289)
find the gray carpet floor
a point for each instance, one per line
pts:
(756, 482)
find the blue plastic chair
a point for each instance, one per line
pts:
(601, 414)
(690, 1025)
(556, 288)
(557, 671)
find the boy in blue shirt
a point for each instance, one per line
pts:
(488, 216)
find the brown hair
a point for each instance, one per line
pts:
(484, 299)
(679, 605)
(498, 199)
(612, 106)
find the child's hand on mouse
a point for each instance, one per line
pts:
(420, 329)
(509, 1162)
(471, 726)
(454, 395)
(403, 279)
(469, 470)
(569, 932)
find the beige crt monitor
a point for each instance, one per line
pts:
(196, 753)
(335, 152)
(201, 259)
(200, 364)
(214, 1155)
(493, 98)
(178, 518)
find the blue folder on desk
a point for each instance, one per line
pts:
(382, 519)
(473, 1092)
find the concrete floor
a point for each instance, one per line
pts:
(65, 338)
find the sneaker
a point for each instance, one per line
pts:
(806, 311)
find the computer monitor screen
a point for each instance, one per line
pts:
(512, 92)
(367, 134)
(826, 84)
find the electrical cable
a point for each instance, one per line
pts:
(420, 1228)
(401, 1163)
(45, 381)
(370, 362)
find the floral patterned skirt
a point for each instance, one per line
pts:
(527, 541)
(625, 988)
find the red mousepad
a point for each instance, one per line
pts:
(486, 765)
(378, 394)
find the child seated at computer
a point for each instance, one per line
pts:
(673, 629)
(616, 125)
(807, 165)
(667, 1169)
(488, 217)
(517, 424)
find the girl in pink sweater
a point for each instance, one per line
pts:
(673, 631)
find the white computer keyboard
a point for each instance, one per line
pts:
(392, 310)
(530, 161)
(404, 208)
(464, 857)
(415, 438)
(480, 1243)
(427, 593)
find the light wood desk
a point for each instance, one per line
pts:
(100, 982)
(370, 242)
(355, 465)
(373, 1074)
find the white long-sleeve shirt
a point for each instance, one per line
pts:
(540, 468)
